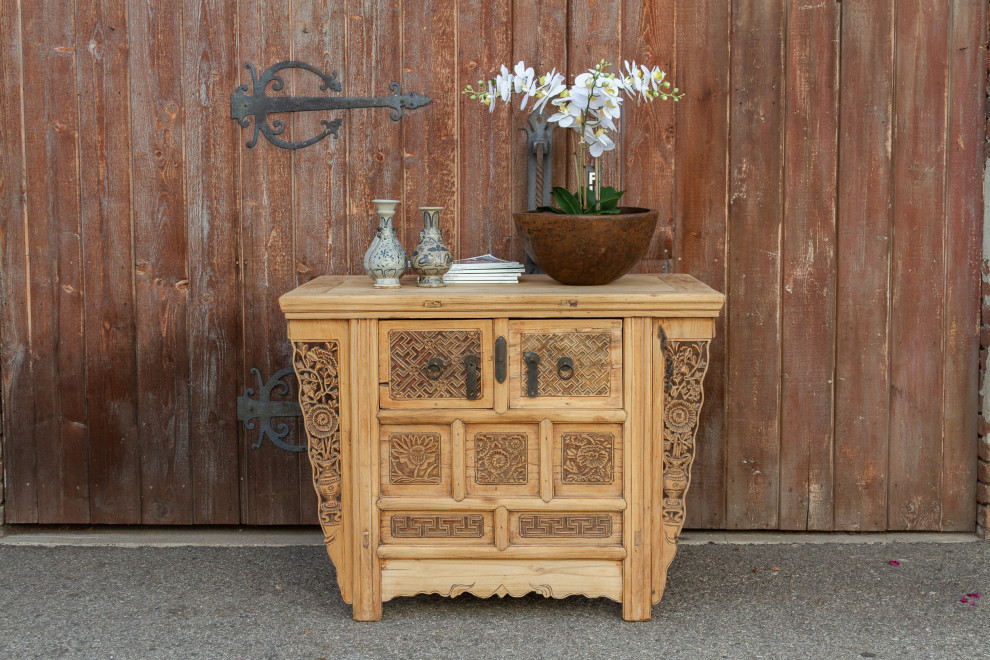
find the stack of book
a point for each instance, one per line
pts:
(485, 269)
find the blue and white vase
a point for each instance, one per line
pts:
(431, 258)
(385, 260)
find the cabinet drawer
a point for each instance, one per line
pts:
(435, 364)
(565, 363)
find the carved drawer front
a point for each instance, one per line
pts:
(415, 460)
(502, 459)
(435, 364)
(587, 460)
(437, 527)
(562, 528)
(565, 363)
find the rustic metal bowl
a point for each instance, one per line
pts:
(586, 249)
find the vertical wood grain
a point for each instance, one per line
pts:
(701, 181)
(648, 155)
(863, 236)
(271, 488)
(595, 29)
(211, 73)
(18, 452)
(160, 252)
(918, 263)
(55, 254)
(374, 158)
(319, 172)
(811, 123)
(429, 137)
(754, 235)
(964, 164)
(484, 37)
(105, 150)
(539, 38)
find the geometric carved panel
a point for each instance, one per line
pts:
(597, 528)
(410, 352)
(414, 458)
(589, 352)
(587, 458)
(584, 525)
(441, 526)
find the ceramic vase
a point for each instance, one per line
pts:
(385, 260)
(384, 208)
(431, 258)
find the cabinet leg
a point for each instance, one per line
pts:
(367, 610)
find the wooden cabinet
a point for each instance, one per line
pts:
(499, 439)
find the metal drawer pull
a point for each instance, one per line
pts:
(565, 368)
(500, 359)
(434, 368)
(532, 361)
(471, 363)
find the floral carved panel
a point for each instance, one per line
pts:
(317, 368)
(587, 458)
(414, 458)
(500, 458)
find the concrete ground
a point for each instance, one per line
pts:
(272, 594)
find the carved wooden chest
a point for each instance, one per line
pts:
(500, 439)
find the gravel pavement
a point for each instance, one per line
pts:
(722, 601)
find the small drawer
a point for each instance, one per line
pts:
(437, 527)
(587, 460)
(415, 460)
(435, 364)
(565, 364)
(570, 528)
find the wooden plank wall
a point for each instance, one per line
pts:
(824, 170)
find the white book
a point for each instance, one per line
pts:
(485, 262)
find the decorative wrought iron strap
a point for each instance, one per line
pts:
(264, 409)
(260, 106)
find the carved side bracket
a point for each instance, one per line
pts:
(686, 363)
(317, 367)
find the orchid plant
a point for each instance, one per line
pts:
(590, 106)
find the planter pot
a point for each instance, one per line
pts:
(586, 249)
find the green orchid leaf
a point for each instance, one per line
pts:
(566, 200)
(548, 209)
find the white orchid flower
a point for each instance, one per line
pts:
(503, 84)
(598, 141)
(549, 86)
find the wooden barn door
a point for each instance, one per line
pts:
(824, 170)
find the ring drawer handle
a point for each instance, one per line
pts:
(565, 368)
(434, 368)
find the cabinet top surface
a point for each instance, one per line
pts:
(633, 295)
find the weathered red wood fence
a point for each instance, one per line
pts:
(824, 170)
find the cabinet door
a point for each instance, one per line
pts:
(565, 363)
(435, 364)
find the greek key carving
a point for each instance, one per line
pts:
(587, 458)
(316, 366)
(687, 362)
(469, 526)
(410, 352)
(500, 458)
(588, 350)
(414, 458)
(583, 525)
